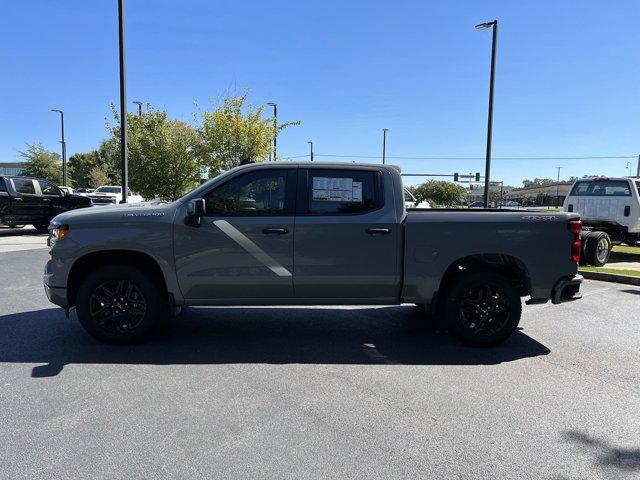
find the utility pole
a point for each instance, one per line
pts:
(139, 105)
(384, 144)
(64, 146)
(311, 144)
(558, 188)
(487, 174)
(123, 104)
(275, 131)
(638, 168)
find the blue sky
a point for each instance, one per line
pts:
(567, 84)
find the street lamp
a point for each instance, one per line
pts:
(311, 144)
(484, 26)
(123, 103)
(275, 130)
(384, 144)
(139, 105)
(64, 146)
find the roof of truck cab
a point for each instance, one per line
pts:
(323, 164)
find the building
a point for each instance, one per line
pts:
(548, 195)
(11, 168)
(476, 191)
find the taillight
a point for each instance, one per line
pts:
(575, 227)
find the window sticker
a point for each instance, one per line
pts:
(333, 189)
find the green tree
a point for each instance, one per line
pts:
(80, 166)
(236, 131)
(439, 192)
(97, 177)
(41, 163)
(538, 182)
(163, 154)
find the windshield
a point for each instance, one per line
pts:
(109, 189)
(601, 188)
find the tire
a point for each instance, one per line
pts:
(597, 249)
(16, 226)
(41, 227)
(121, 304)
(481, 308)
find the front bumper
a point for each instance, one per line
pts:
(567, 289)
(57, 295)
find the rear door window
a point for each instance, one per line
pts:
(3, 187)
(24, 186)
(601, 188)
(343, 192)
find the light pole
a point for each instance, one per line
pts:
(311, 144)
(123, 104)
(139, 105)
(487, 173)
(64, 146)
(275, 131)
(384, 144)
(558, 188)
(638, 168)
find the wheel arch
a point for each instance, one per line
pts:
(511, 267)
(87, 263)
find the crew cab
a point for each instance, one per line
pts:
(25, 200)
(610, 212)
(112, 195)
(308, 234)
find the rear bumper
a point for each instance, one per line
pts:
(567, 289)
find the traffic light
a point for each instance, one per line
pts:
(455, 177)
(477, 176)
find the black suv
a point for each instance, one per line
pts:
(34, 200)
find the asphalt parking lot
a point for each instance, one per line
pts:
(317, 392)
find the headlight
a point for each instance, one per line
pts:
(58, 232)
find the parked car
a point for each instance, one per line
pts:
(84, 191)
(476, 205)
(510, 203)
(35, 201)
(610, 211)
(112, 195)
(67, 190)
(125, 268)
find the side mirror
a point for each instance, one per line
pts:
(195, 210)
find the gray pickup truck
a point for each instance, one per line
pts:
(308, 234)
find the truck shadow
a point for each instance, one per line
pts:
(605, 454)
(395, 335)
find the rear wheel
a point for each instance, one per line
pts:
(120, 304)
(597, 249)
(41, 227)
(482, 308)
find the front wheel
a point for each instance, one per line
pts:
(120, 304)
(482, 308)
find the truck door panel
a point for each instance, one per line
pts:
(243, 247)
(346, 237)
(27, 205)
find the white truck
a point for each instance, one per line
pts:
(610, 213)
(112, 195)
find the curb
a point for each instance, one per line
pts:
(610, 277)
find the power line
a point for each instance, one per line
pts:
(610, 157)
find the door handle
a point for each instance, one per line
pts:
(18, 199)
(378, 231)
(278, 231)
(46, 200)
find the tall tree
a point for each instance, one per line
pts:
(163, 155)
(439, 192)
(236, 131)
(538, 182)
(41, 163)
(97, 177)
